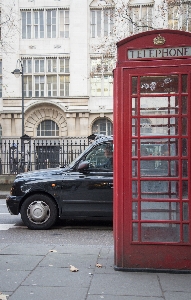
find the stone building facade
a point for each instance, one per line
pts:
(67, 51)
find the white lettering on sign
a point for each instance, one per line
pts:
(160, 52)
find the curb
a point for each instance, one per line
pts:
(4, 194)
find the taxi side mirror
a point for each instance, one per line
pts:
(83, 166)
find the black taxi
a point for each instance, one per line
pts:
(83, 189)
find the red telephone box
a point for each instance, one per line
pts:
(152, 144)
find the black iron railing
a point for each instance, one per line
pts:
(18, 156)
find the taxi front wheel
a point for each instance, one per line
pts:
(39, 212)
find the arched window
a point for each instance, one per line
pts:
(102, 126)
(47, 128)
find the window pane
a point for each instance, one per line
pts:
(160, 126)
(135, 232)
(106, 25)
(159, 147)
(135, 210)
(64, 23)
(141, 18)
(26, 25)
(102, 126)
(155, 232)
(160, 211)
(160, 189)
(158, 168)
(159, 84)
(51, 23)
(185, 211)
(101, 157)
(48, 128)
(93, 24)
(96, 86)
(159, 105)
(98, 23)
(41, 65)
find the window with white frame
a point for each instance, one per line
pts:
(39, 86)
(179, 15)
(48, 128)
(39, 65)
(0, 24)
(0, 133)
(45, 23)
(64, 85)
(38, 24)
(26, 24)
(64, 78)
(27, 69)
(46, 77)
(51, 86)
(101, 77)
(28, 86)
(27, 65)
(51, 23)
(140, 18)
(64, 23)
(52, 65)
(102, 126)
(64, 65)
(39, 79)
(0, 78)
(101, 22)
(108, 15)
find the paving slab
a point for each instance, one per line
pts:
(10, 280)
(65, 260)
(80, 249)
(27, 249)
(2, 246)
(125, 283)
(48, 293)
(122, 297)
(50, 276)
(175, 282)
(177, 295)
(41, 271)
(19, 262)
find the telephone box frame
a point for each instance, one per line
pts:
(152, 110)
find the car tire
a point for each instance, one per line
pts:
(39, 212)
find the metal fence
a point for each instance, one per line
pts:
(18, 156)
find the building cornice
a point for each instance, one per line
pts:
(45, 8)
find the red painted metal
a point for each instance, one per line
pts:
(152, 138)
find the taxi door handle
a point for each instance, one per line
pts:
(111, 185)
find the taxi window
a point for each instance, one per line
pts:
(101, 157)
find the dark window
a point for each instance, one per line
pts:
(47, 128)
(102, 126)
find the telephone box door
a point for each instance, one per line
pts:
(156, 232)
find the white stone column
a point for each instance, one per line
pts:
(6, 125)
(84, 124)
(71, 122)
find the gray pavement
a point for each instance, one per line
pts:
(3, 194)
(43, 272)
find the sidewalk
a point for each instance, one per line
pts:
(39, 271)
(43, 272)
(3, 195)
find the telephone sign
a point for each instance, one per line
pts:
(159, 53)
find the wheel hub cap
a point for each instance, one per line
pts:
(38, 212)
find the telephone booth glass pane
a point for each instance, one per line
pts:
(184, 83)
(160, 159)
(159, 84)
(159, 105)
